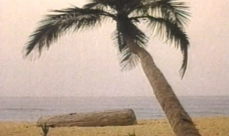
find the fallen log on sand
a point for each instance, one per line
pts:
(106, 118)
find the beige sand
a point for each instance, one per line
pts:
(209, 126)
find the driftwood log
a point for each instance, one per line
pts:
(106, 118)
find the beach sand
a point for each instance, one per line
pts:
(208, 126)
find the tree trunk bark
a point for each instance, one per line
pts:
(107, 118)
(178, 118)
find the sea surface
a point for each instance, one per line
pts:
(31, 108)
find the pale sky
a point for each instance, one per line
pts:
(86, 64)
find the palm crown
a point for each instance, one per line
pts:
(165, 18)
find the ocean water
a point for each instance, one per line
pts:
(31, 108)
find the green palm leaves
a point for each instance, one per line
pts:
(165, 18)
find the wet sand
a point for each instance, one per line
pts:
(208, 126)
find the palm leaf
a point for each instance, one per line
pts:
(55, 25)
(126, 6)
(102, 4)
(96, 5)
(172, 33)
(172, 10)
(127, 31)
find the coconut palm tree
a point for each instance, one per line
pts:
(165, 18)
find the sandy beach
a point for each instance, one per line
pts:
(208, 126)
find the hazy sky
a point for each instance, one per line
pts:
(86, 64)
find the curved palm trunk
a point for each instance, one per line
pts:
(178, 118)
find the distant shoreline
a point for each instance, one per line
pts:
(30, 109)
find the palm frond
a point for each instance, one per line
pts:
(130, 5)
(128, 59)
(55, 25)
(127, 31)
(118, 6)
(96, 5)
(172, 33)
(102, 4)
(172, 10)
